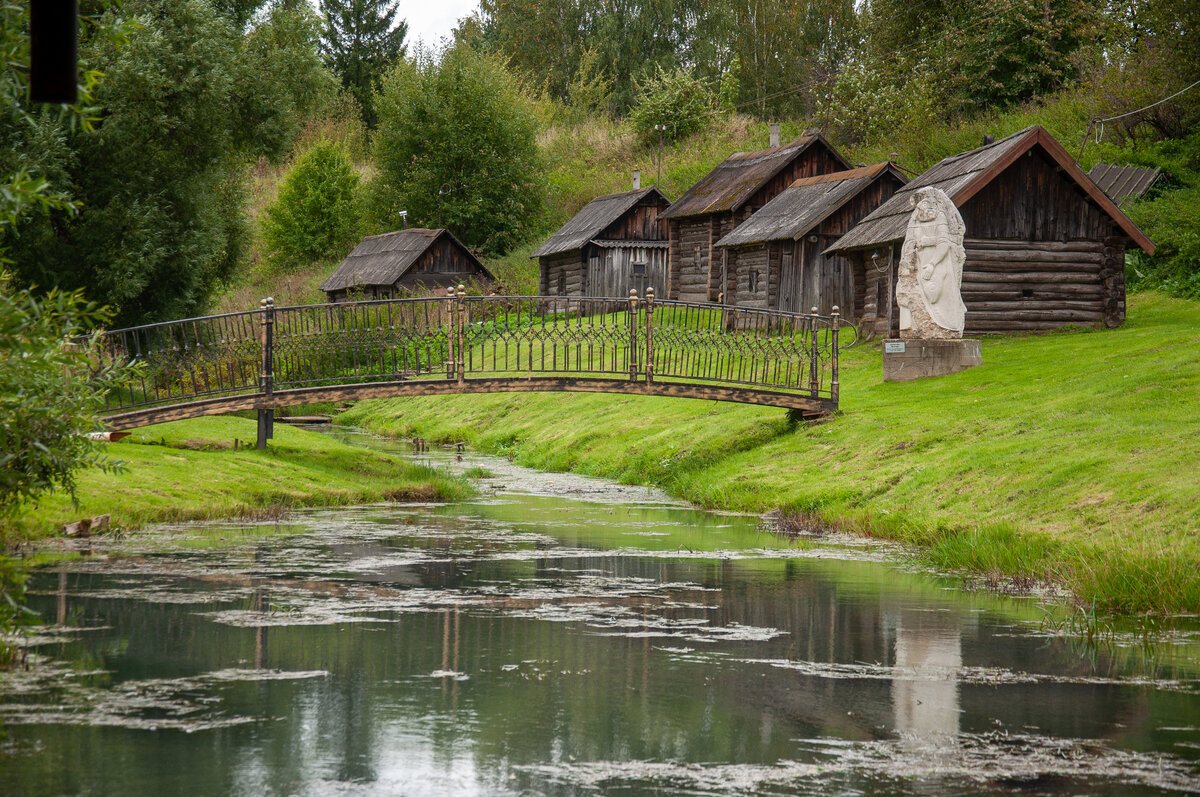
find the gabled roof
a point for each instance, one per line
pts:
(383, 259)
(963, 176)
(1119, 182)
(806, 203)
(731, 184)
(593, 219)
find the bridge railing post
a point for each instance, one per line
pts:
(461, 301)
(814, 357)
(266, 378)
(833, 354)
(649, 335)
(451, 332)
(633, 335)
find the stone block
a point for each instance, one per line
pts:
(905, 360)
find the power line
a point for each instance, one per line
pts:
(1148, 107)
(1098, 121)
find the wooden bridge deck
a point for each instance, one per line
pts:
(276, 357)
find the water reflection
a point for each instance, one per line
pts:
(537, 645)
(928, 648)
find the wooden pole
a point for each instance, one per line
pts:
(266, 379)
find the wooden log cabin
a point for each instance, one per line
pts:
(614, 243)
(780, 250)
(725, 198)
(1045, 247)
(404, 263)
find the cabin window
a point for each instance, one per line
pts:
(562, 283)
(754, 281)
(639, 269)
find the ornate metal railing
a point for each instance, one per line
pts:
(460, 343)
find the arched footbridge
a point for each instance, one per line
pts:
(276, 357)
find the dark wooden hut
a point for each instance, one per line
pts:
(404, 263)
(1045, 246)
(612, 244)
(780, 250)
(725, 198)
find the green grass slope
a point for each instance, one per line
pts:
(1068, 457)
(189, 470)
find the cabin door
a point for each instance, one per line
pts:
(594, 284)
(790, 286)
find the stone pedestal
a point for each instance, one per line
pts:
(905, 360)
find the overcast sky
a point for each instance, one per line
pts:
(430, 20)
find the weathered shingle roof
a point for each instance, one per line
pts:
(592, 219)
(805, 204)
(1120, 182)
(738, 177)
(963, 176)
(383, 259)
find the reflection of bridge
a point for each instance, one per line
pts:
(287, 356)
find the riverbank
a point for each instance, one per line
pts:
(189, 470)
(1067, 458)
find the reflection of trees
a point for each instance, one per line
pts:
(542, 690)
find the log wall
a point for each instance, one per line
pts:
(562, 274)
(1039, 255)
(696, 267)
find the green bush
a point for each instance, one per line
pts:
(675, 99)
(1172, 220)
(456, 147)
(318, 212)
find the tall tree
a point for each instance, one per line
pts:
(157, 184)
(361, 40)
(456, 147)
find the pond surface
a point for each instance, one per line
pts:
(562, 636)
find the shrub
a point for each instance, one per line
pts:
(675, 99)
(456, 147)
(318, 212)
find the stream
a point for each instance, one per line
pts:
(559, 635)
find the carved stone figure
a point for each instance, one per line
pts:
(930, 271)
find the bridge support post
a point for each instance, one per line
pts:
(633, 335)
(650, 335)
(451, 332)
(814, 357)
(266, 379)
(460, 296)
(833, 356)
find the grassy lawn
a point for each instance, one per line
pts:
(189, 470)
(1068, 457)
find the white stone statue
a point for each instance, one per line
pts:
(930, 272)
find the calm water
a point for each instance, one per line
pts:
(565, 637)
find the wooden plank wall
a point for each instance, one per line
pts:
(640, 223)
(610, 274)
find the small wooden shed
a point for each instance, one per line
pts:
(780, 250)
(725, 198)
(1045, 247)
(614, 243)
(404, 263)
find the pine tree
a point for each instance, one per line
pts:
(361, 39)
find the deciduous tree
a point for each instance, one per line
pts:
(456, 148)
